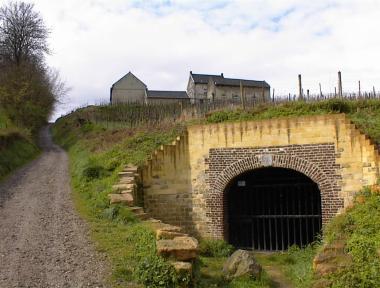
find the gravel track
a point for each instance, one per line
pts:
(43, 242)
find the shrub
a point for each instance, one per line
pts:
(337, 105)
(110, 213)
(218, 117)
(155, 272)
(93, 172)
(215, 248)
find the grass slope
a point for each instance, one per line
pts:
(16, 147)
(359, 227)
(128, 243)
(105, 148)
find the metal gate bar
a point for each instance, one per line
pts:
(274, 216)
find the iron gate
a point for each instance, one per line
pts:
(272, 209)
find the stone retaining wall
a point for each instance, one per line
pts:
(184, 182)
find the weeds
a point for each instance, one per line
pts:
(360, 227)
(215, 248)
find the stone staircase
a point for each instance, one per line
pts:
(178, 247)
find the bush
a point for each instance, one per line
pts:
(218, 117)
(93, 172)
(155, 272)
(215, 248)
(338, 105)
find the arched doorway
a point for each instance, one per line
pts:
(272, 209)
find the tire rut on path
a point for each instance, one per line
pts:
(43, 242)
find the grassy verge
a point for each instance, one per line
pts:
(128, 243)
(15, 150)
(359, 228)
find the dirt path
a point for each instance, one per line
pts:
(277, 277)
(43, 242)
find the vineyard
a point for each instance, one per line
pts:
(131, 115)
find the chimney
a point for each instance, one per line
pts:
(221, 74)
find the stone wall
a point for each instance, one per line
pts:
(166, 184)
(185, 182)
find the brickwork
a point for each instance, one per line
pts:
(317, 161)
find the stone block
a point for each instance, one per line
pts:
(180, 248)
(241, 263)
(125, 198)
(183, 267)
(164, 234)
(127, 180)
(120, 187)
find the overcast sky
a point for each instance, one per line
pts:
(95, 42)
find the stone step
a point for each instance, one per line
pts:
(125, 198)
(182, 267)
(153, 221)
(137, 210)
(337, 247)
(126, 173)
(180, 248)
(127, 180)
(130, 168)
(130, 191)
(119, 187)
(142, 216)
(163, 226)
(168, 235)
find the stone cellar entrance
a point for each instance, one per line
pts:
(272, 209)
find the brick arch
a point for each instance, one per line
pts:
(327, 187)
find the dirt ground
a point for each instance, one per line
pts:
(43, 242)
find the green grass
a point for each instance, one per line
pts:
(211, 275)
(359, 227)
(295, 263)
(4, 120)
(128, 242)
(15, 151)
(98, 151)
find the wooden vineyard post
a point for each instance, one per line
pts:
(340, 92)
(242, 98)
(300, 91)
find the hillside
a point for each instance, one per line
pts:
(16, 146)
(100, 140)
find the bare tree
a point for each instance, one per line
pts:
(23, 34)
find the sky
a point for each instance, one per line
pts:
(96, 42)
